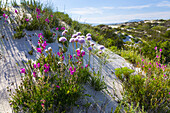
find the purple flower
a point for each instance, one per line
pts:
(153, 78)
(76, 39)
(4, 15)
(62, 39)
(100, 52)
(160, 50)
(26, 19)
(150, 63)
(58, 86)
(101, 47)
(74, 35)
(47, 20)
(92, 44)
(34, 74)
(81, 41)
(38, 65)
(63, 33)
(88, 34)
(23, 70)
(142, 60)
(90, 48)
(51, 15)
(71, 40)
(39, 50)
(16, 11)
(157, 56)
(156, 48)
(82, 37)
(57, 28)
(34, 65)
(88, 38)
(78, 33)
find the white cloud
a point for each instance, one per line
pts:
(164, 4)
(86, 11)
(135, 7)
(123, 18)
(107, 7)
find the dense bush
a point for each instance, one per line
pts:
(149, 92)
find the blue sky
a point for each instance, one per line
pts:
(112, 11)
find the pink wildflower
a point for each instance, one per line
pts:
(63, 57)
(38, 65)
(58, 53)
(16, 11)
(57, 28)
(34, 74)
(58, 86)
(23, 70)
(39, 50)
(26, 19)
(160, 50)
(34, 65)
(156, 48)
(87, 65)
(47, 20)
(70, 57)
(4, 15)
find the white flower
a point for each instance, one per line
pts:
(49, 48)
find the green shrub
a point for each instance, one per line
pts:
(48, 36)
(97, 82)
(123, 73)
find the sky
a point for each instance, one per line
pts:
(111, 11)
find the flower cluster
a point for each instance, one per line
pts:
(72, 71)
(41, 43)
(46, 68)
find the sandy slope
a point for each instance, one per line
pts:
(14, 52)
